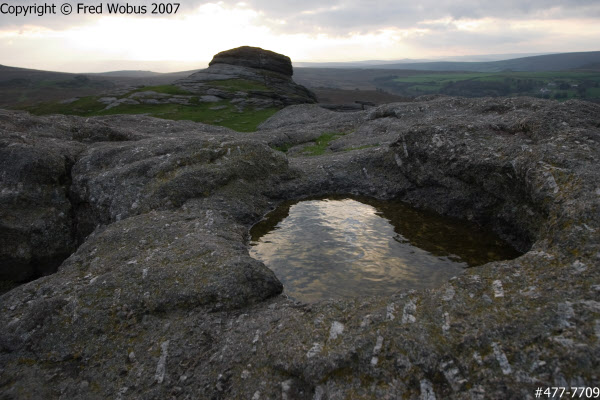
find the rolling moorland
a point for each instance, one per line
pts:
(560, 85)
(21, 86)
(558, 76)
(482, 63)
(162, 300)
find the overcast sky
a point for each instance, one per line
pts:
(305, 30)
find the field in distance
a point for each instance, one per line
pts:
(145, 92)
(560, 85)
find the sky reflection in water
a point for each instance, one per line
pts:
(335, 248)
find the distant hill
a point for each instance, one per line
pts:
(485, 63)
(548, 62)
(387, 63)
(9, 73)
(21, 86)
(28, 86)
(240, 89)
(129, 74)
(162, 76)
(583, 83)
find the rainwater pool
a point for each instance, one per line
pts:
(344, 247)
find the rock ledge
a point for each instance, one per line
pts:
(160, 298)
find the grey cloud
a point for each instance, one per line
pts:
(364, 16)
(340, 17)
(451, 39)
(507, 41)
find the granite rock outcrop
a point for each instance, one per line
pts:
(249, 76)
(159, 297)
(245, 78)
(256, 58)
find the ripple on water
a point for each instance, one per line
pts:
(344, 247)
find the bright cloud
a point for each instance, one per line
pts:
(343, 30)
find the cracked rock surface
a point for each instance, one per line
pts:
(156, 296)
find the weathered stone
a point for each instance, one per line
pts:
(161, 299)
(209, 99)
(122, 101)
(269, 71)
(37, 229)
(147, 97)
(68, 101)
(35, 212)
(107, 100)
(256, 58)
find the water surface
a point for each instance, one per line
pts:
(344, 247)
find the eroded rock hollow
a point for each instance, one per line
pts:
(157, 296)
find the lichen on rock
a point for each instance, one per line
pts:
(159, 298)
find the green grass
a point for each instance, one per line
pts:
(594, 92)
(230, 117)
(474, 84)
(283, 148)
(239, 85)
(428, 77)
(322, 143)
(85, 106)
(166, 89)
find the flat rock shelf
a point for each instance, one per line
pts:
(157, 297)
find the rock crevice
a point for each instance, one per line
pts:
(162, 298)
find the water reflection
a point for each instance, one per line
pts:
(332, 248)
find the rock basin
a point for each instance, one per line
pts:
(160, 298)
(332, 248)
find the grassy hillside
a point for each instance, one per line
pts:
(558, 85)
(582, 84)
(22, 86)
(341, 96)
(44, 92)
(26, 86)
(548, 62)
(220, 113)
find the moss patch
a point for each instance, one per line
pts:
(283, 148)
(322, 143)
